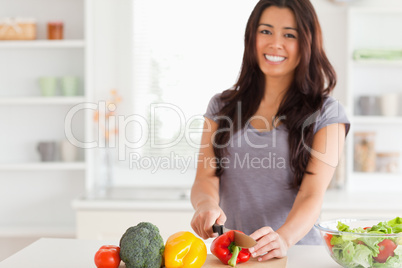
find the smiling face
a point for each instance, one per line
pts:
(277, 43)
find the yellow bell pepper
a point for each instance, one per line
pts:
(184, 250)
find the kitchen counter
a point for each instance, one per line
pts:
(68, 253)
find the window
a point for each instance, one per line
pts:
(184, 52)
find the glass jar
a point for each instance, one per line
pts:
(364, 152)
(55, 30)
(388, 162)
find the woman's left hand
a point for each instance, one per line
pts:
(269, 242)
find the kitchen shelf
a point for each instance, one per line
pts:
(32, 118)
(375, 120)
(43, 44)
(43, 166)
(378, 174)
(382, 10)
(59, 100)
(377, 63)
(31, 231)
(373, 77)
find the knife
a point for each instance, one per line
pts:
(240, 239)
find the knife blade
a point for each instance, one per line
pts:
(240, 239)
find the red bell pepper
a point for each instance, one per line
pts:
(224, 248)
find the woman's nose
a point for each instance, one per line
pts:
(276, 42)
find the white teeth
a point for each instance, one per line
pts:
(274, 58)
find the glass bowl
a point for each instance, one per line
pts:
(369, 249)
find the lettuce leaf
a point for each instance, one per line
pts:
(372, 244)
(351, 254)
(363, 256)
(396, 225)
(342, 227)
(395, 221)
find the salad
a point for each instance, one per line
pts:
(373, 246)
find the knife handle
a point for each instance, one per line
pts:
(216, 228)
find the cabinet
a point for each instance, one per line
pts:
(104, 224)
(39, 193)
(109, 219)
(370, 81)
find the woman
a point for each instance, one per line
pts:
(277, 135)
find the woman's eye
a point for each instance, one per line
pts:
(290, 35)
(265, 32)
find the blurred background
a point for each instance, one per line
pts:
(101, 106)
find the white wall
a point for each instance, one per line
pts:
(334, 28)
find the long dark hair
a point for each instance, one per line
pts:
(314, 78)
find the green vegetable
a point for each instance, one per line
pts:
(362, 256)
(353, 250)
(142, 246)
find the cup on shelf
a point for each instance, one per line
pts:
(69, 85)
(368, 105)
(389, 104)
(48, 85)
(55, 30)
(47, 151)
(364, 159)
(68, 152)
(388, 162)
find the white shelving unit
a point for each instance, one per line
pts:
(374, 28)
(43, 44)
(45, 231)
(377, 63)
(377, 120)
(49, 166)
(27, 118)
(41, 100)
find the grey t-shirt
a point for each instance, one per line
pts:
(255, 187)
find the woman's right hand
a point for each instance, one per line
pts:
(206, 215)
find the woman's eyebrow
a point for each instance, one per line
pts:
(290, 28)
(266, 24)
(269, 25)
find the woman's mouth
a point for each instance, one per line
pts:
(274, 59)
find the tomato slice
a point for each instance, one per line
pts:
(387, 248)
(327, 239)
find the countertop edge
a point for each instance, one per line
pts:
(334, 200)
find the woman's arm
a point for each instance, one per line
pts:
(326, 150)
(205, 190)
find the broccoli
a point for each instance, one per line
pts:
(142, 246)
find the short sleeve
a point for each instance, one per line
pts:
(332, 112)
(214, 107)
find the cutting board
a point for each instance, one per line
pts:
(214, 262)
